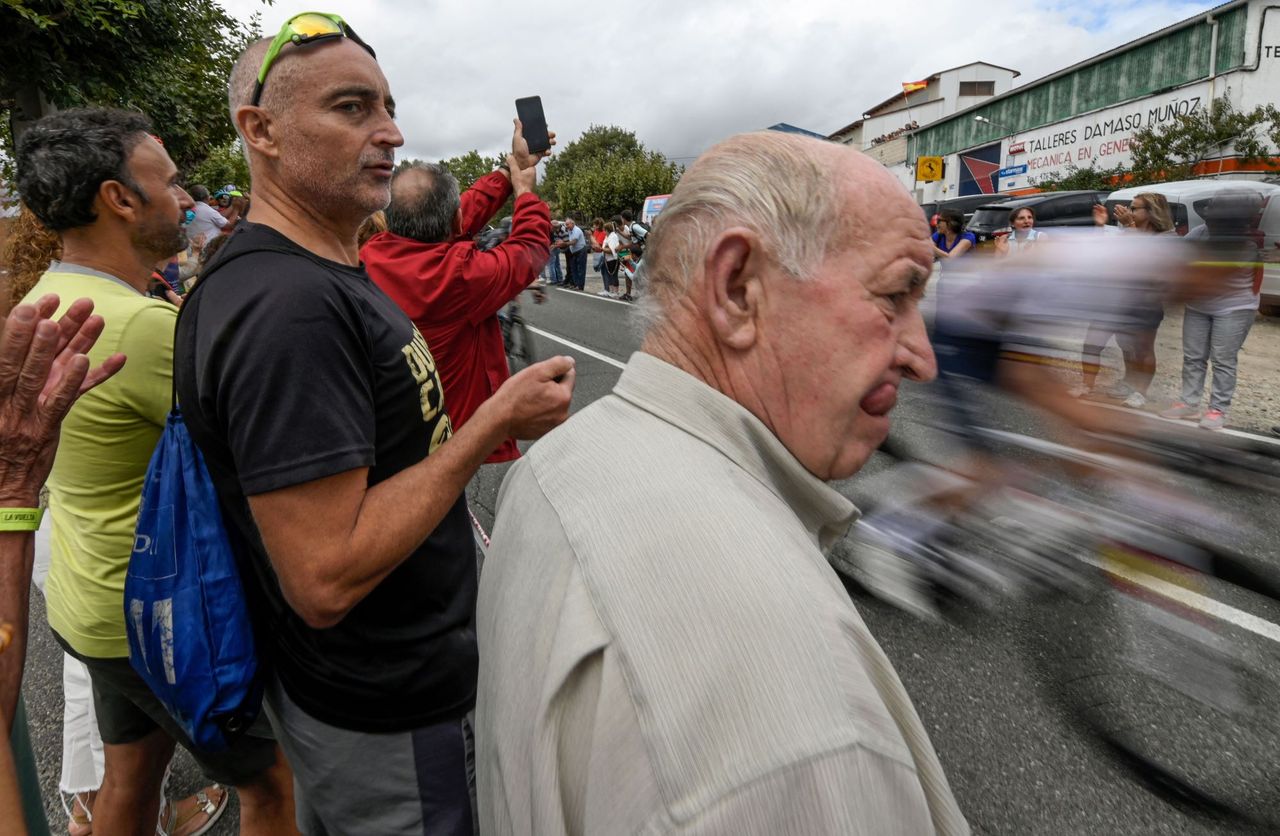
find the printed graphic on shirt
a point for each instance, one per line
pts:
(431, 394)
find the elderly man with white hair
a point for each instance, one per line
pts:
(696, 666)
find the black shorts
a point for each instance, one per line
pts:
(128, 711)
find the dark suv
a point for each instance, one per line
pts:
(963, 205)
(1051, 208)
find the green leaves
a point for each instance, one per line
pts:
(1172, 151)
(470, 167)
(605, 171)
(224, 164)
(1074, 177)
(169, 59)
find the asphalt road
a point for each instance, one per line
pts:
(1016, 764)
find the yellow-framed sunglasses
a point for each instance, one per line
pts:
(304, 28)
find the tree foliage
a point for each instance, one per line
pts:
(224, 164)
(470, 167)
(1171, 151)
(169, 59)
(605, 171)
(1074, 177)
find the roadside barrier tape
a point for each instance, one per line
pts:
(484, 538)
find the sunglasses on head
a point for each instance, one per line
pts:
(304, 28)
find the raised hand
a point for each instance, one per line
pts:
(520, 148)
(43, 370)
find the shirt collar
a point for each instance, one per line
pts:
(686, 402)
(81, 270)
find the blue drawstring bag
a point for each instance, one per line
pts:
(190, 633)
(190, 636)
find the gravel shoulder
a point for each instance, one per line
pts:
(1256, 406)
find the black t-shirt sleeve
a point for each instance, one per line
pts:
(289, 371)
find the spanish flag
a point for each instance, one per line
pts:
(913, 86)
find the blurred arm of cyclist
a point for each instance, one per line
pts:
(1039, 386)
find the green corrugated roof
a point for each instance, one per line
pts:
(1177, 56)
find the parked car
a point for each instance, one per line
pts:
(963, 205)
(1187, 200)
(1051, 208)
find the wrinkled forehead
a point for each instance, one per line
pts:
(877, 212)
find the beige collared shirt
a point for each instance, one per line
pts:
(665, 649)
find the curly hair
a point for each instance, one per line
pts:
(28, 249)
(65, 157)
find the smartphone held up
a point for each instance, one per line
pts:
(533, 123)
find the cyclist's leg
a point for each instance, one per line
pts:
(1095, 341)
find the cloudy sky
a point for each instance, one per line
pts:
(684, 73)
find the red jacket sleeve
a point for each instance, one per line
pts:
(496, 277)
(482, 201)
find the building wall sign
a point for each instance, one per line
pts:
(978, 169)
(1102, 138)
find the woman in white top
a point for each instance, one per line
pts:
(612, 245)
(1024, 234)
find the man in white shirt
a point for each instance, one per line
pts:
(208, 222)
(695, 665)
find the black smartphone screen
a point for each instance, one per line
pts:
(534, 123)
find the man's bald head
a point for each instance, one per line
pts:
(424, 201)
(281, 79)
(788, 273)
(804, 197)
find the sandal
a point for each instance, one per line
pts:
(195, 814)
(79, 813)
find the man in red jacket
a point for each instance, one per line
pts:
(428, 264)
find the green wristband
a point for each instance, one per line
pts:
(20, 519)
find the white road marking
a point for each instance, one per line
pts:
(578, 348)
(585, 295)
(1187, 598)
(1224, 431)
(1209, 606)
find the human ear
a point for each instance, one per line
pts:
(118, 199)
(733, 284)
(255, 127)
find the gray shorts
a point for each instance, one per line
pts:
(413, 782)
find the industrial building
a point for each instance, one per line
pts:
(1085, 113)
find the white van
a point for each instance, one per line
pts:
(1187, 199)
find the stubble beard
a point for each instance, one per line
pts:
(314, 181)
(160, 240)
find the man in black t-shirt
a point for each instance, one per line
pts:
(320, 413)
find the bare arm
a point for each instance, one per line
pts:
(10, 796)
(43, 369)
(331, 541)
(962, 246)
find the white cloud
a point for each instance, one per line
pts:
(683, 74)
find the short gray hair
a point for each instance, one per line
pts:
(244, 78)
(776, 184)
(424, 200)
